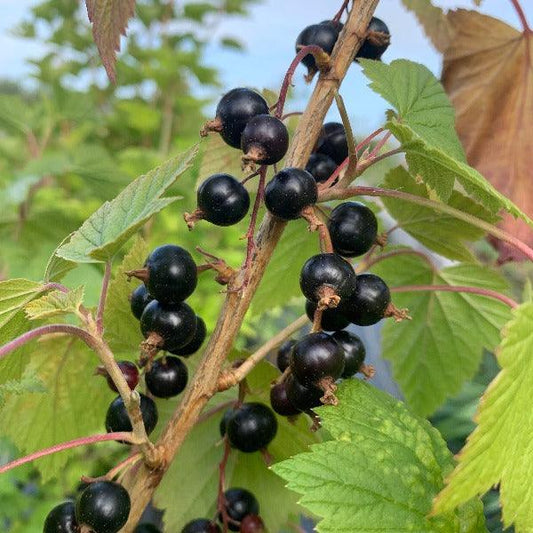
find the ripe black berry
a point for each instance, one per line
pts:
(224, 421)
(61, 519)
(171, 274)
(167, 377)
(201, 525)
(168, 326)
(354, 352)
(193, 345)
(302, 397)
(240, 503)
(252, 427)
(332, 142)
(321, 167)
(327, 270)
(265, 140)
(353, 229)
(252, 524)
(117, 416)
(368, 303)
(375, 45)
(315, 357)
(290, 191)
(284, 353)
(223, 200)
(104, 506)
(147, 528)
(332, 318)
(280, 402)
(324, 35)
(234, 111)
(129, 371)
(139, 299)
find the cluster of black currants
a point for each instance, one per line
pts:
(242, 514)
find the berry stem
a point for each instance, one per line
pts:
(232, 377)
(123, 435)
(103, 296)
(371, 261)
(332, 194)
(521, 16)
(316, 224)
(317, 319)
(459, 288)
(352, 150)
(253, 219)
(221, 500)
(372, 160)
(339, 13)
(211, 412)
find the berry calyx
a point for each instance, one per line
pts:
(104, 506)
(201, 525)
(251, 427)
(354, 352)
(376, 42)
(321, 167)
(280, 402)
(129, 371)
(196, 343)
(62, 519)
(264, 141)
(324, 35)
(284, 354)
(223, 200)
(117, 419)
(252, 524)
(327, 271)
(167, 377)
(302, 397)
(369, 302)
(289, 192)
(332, 142)
(239, 503)
(353, 229)
(233, 112)
(139, 299)
(315, 357)
(168, 327)
(332, 319)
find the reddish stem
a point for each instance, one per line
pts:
(379, 145)
(367, 140)
(123, 435)
(55, 287)
(339, 13)
(103, 296)
(253, 220)
(221, 500)
(459, 288)
(402, 251)
(334, 176)
(521, 16)
(292, 114)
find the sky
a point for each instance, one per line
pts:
(269, 35)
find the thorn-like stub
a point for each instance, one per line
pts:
(327, 385)
(192, 218)
(378, 38)
(141, 273)
(214, 125)
(397, 314)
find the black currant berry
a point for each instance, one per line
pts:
(354, 352)
(117, 417)
(147, 528)
(240, 503)
(223, 200)
(327, 270)
(321, 167)
(315, 357)
(284, 353)
(170, 274)
(374, 46)
(224, 421)
(332, 142)
(234, 111)
(290, 191)
(353, 229)
(193, 345)
(332, 318)
(302, 397)
(167, 377)
(129, 371)
(252, 524)
(368, 303)
(252, 427)
(265, 140)
(139, 299)
(61, 519)
(104, 506)
(201, 525)
(280, 402)
(168, 326)
(324, 35)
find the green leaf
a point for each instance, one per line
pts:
(379, 473)
(433, 354)
(121, 327)
(28, 383)
(200, 453)
(440, 232)
(499, 450)
(106, 230)
(57, 267)
(55, 303)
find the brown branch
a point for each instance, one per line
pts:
(142, 483)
